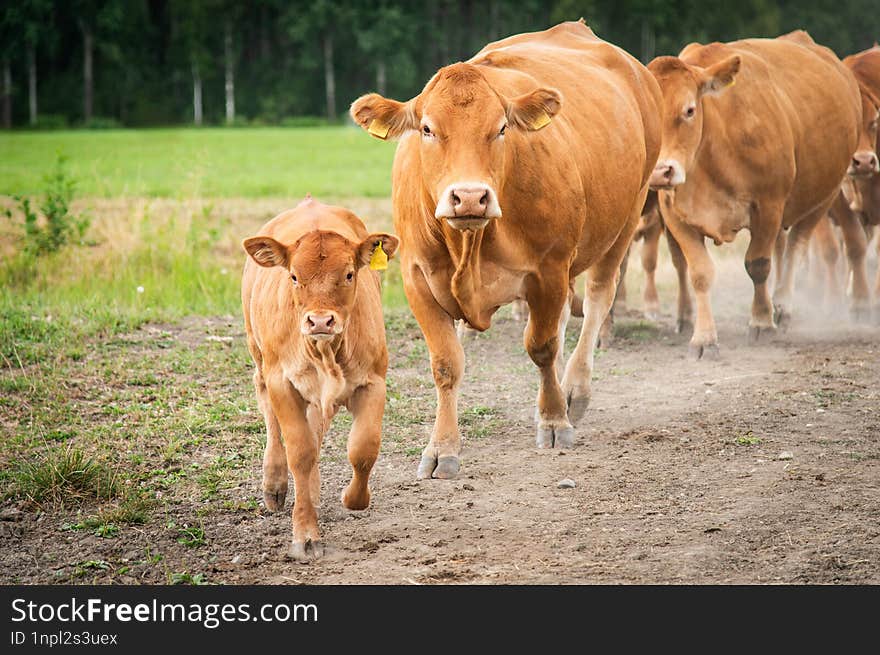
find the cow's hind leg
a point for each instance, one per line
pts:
(547, 297)
(601, 284)
(367, 406)
(440, 459)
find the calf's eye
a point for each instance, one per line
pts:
(293, 278)
(503, 130)
(426, 130)
(689, 112)
(349, 277)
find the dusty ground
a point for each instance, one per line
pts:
(763, 467)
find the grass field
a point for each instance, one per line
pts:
(211, 162)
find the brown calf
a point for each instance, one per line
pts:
(313, 315)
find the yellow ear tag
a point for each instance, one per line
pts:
(379, 260)
(540, 121)
(732, 82)
(378, 128)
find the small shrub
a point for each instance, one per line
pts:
(60, 225)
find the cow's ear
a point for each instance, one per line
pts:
(718, 77)
(377, 249)
(382, 117)
(534, 110)
(266, 251)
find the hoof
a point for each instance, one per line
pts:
(555, 436)
(306, 551)
(708, 351)
(755, 332)
(274, 500)
(577, 406)
(444, 468)
(684, 326)
(781, 317)
(356, 501)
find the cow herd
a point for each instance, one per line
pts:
(534, 162)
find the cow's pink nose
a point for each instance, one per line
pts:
(320, 323)
(470, 201)
(864, 162)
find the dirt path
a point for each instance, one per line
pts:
(763, 467)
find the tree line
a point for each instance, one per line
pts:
(159, 62)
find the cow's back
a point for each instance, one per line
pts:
(792, 119)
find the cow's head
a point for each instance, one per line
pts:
(323, 269)
(462, 124)
(684, 87)
(864, 161)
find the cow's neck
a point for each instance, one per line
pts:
(467, 278)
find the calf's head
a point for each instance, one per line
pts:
(323, 269)
(864, 161)
(462, 124)
(684, 87)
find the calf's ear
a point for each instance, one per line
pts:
(382, 117)
(266, 251)
(377, 249)
(534, 110)
(718, 77)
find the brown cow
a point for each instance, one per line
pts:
(856, 211)
(767, 154)
(516, 171)
(313, 315)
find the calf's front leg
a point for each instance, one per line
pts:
(367, 406)
(301, 447)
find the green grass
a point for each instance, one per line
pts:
(61, 475)
(210, 162)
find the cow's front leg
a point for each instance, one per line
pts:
(601, 282)
(766, 223)
(367, 406)
(547, 297)
(302, 458)
(796, 243)
(685, 313)
(440, 459)
(650, 250)
(856, 244)
(704, 342)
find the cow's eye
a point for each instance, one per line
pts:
(502, 130)
(349, 277)
(690, 111)
(426, 130)
(293, 279)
